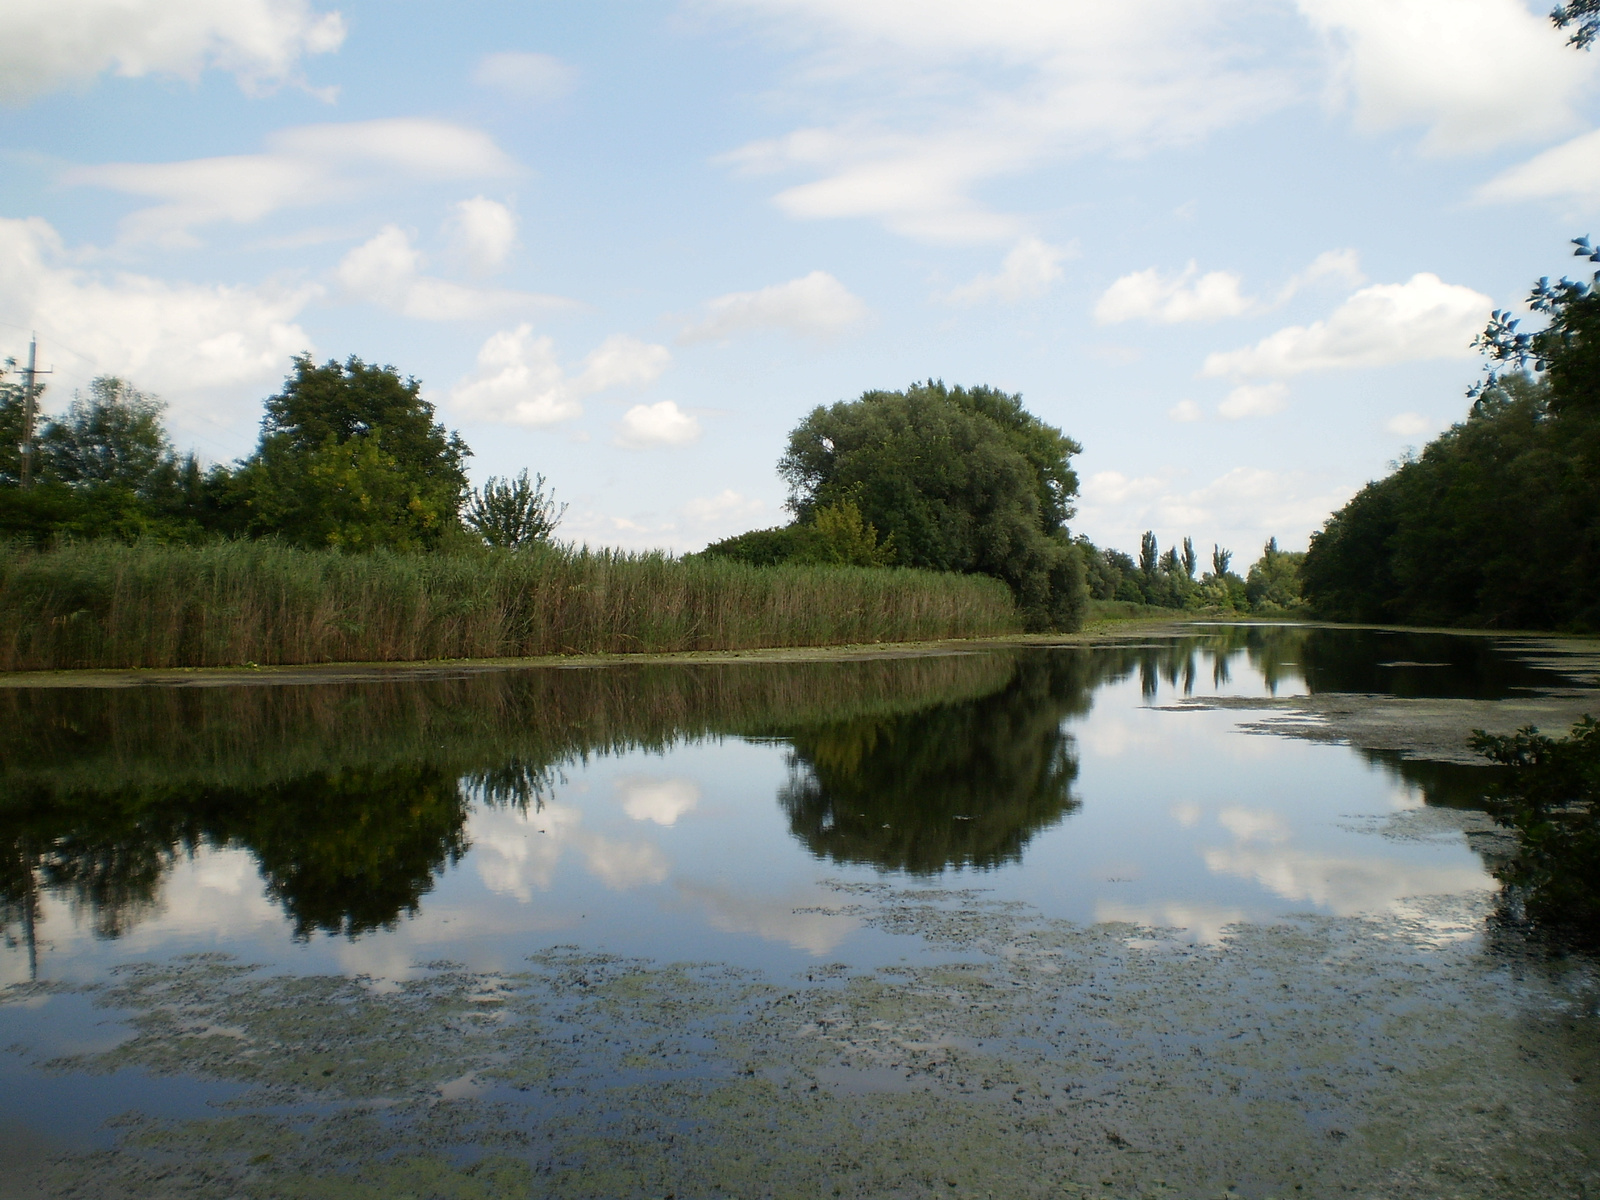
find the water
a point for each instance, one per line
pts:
(425, 930)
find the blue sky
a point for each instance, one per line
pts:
(1237, 248)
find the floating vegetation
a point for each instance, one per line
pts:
(1041, 1058)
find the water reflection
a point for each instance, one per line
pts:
(354, 799)
(957, 785)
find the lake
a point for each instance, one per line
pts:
(1202, 913)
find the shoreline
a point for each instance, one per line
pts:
(1094, 632)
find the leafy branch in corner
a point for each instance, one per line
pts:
(1551, 798)
(1572, 311)
(1585, 14)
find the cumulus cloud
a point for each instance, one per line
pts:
(301, 167)
(51, 44)
(1027, 272)
(1187, 296)
(645, 798)
(1408, 424)
(1475, 73)
(387, 270)
(1339, 266)
(520, 379)
(181, 340)
(1379, 326)
(1569, 171)
(523, 75)
(483, 233)
(659, 424)
(816, 305)
(1254, 400)
(1239, 508)
(922, 101)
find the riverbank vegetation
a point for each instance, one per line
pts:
(1551, 798)
(109, 604)
(1496, 524)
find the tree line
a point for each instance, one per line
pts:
(350, 456)
(1496, 523)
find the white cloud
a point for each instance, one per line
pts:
(1240, 508)
(817, 305)
(520, 379)
(727, 505)
(1340, 266)
(50, 44)
(659, 424)
(1185, 411)
(1254, 400)
(483, 233)
(1379, 326)
(525, 76)
(660, 800)
(386, 270)
(1408, 424)
(303, 166)
(623, 361)
(1028, 271)
(1476, 73)
(1148, 296)
(183, 341)
(1569, 170)
(921, 101)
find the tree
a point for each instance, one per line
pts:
(1585, 14)
(513, 513)
(114, 437)
(1497, 522)
(838, 536)
(960, 479)
(351, 456)
(1190, 559)
(12, 401)
(1273, 584)
(1550, 795)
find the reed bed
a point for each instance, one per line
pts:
(105, 605)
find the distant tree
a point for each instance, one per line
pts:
(112, 437)
(1220, 559)
(1190, 559)
(513, 513)
(351, 456)
(11, 423)
(758, 547)
(1149, 553)
(961, 479)
(1273, 584)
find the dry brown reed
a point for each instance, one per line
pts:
(105, 605)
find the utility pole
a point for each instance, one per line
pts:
(25, 475)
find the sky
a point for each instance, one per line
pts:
(1238, 249)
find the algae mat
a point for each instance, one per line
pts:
(1393, 1057)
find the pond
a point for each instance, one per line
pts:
(1196, 914)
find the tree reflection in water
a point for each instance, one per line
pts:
(353, 797)
(956, 785)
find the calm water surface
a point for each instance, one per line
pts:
(763, 820)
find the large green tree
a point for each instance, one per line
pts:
(351, 456)
(954, 479)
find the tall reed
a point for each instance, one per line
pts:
(108, 605)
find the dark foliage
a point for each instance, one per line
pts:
(1497, 522)
(954, 479)
(1551, 797)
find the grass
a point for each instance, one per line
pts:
(108, 605)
